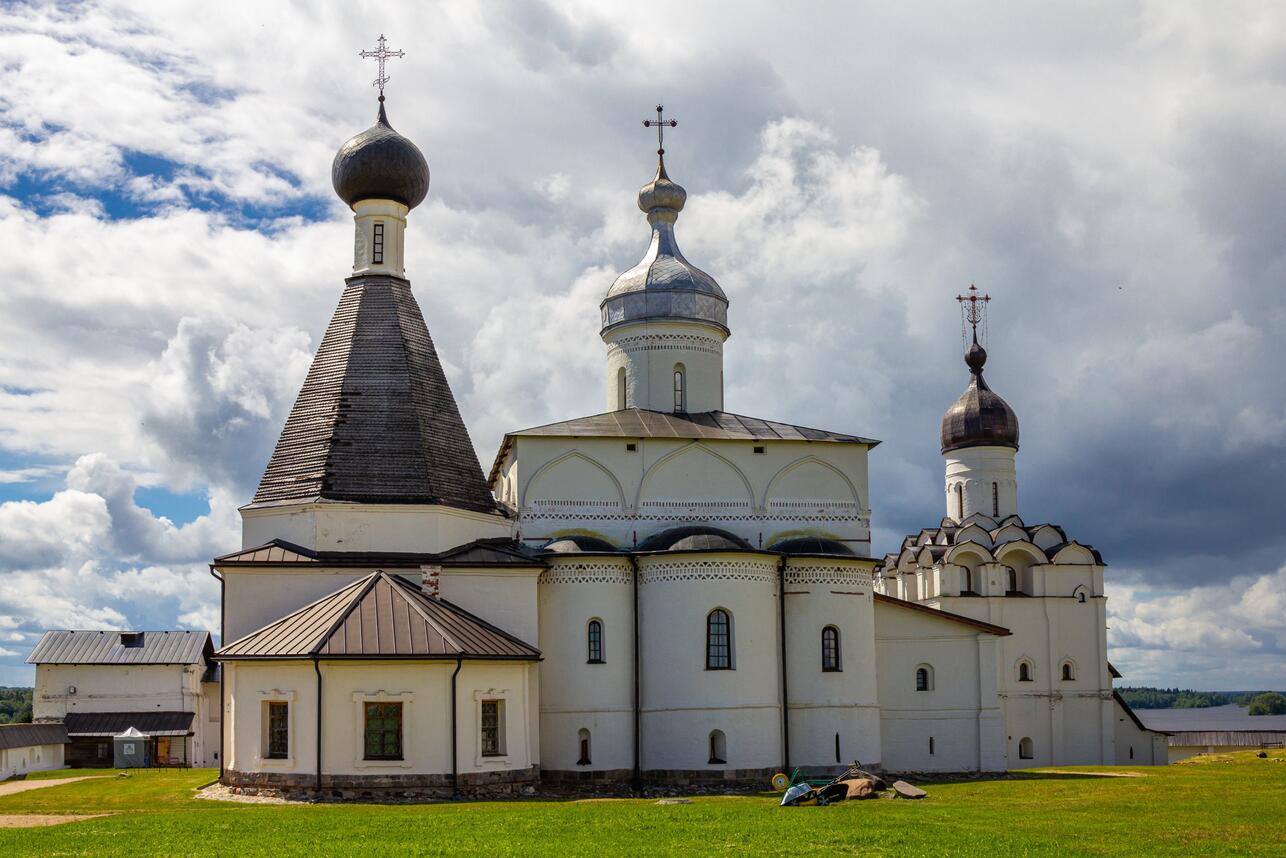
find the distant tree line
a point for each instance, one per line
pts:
(1260, 702)
(15, 705)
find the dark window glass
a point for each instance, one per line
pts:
(960, 500)
(278, 731)
(383, 731)
(830, 648)
(1025, 749)
(491, 728)
(1013, 581)
(377, 250)
(595, 642)
(584, 748)
(931, 748)
(921, 679)
(718, 748)
(718, 641)
(1024, 672)
(678, 390)
(995, 499)
(1067, 672)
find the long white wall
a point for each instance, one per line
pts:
(31, 758)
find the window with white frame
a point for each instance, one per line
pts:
(594, 641)
(278, 738)
(492, 727)
(830, 649)
(377, 245)
(383, 731)
(924, 678)
(718, 640)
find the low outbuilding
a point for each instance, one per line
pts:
(31, 748)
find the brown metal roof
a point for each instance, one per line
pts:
(943, 615)
(105, 647)
(707, 425)
(26, 735)
(379, 616)
(82, 724)
(375, 421)
(499, 551)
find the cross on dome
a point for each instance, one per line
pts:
(381, 55)
(659, 124)
(973, 309)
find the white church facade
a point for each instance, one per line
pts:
(666, 591)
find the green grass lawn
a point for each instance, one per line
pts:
(1234, 806)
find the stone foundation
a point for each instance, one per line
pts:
(493, 784)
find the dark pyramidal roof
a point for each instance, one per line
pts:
(376, 421)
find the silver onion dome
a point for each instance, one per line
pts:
(664, 285)
(979, 418)
(380, 164)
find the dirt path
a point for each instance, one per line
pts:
(22, 786)
(38, 820)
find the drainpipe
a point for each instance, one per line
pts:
(317, 670)
(637, 776)
(222, 640)
(785, 700)
(455, 770)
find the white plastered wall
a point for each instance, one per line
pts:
(391, 215)
(960, 711)
(324, 526)
(423, 688)
(1136, 747)
(977, 469)
(649, 352)
(598, 486)
(30, 758)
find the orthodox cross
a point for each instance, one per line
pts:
(381, 55)
(659, 124)
(973, 309)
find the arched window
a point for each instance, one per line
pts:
(1069, 672)
(622, 395)
(959, 501)
(1025, 749)
(583, 738)
(594, 639)
(1024, 671)
(924, 678)
(968, 580)
(718, 748)
(1080, 595)
(995, 499)
(830, 649)
(680, 400)
(1013, 581)
(718, 640)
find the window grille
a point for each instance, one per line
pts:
(718, 640)
(491, 728)
(995, 499)
(830, 649)
(278, 731)
(383, 731)
(377, 248)
(595, 635)
(922, 679)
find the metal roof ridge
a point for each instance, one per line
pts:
(368, 583)
(332, 594)
(405, 587)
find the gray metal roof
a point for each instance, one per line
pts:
(83, 724)
(375, 421)
(105, 647)
(980, 417)
(26, 735)
(379, 616)
(497, 551)
(379, 163)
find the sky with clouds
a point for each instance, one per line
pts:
(1111, 173)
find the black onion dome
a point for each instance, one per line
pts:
(812, 545)
(979, 418)
(694, 538)
(380, 164)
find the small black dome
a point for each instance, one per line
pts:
(979, 418)
(812, 545)
(380, 164)
(576, 544)
(694, 538)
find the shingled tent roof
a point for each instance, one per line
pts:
(380, 616)
(376, 421)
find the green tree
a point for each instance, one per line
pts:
(1269, 703)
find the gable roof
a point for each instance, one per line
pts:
(26, 735)
(375, 421)
(115, 723)
(496, 551)
(706, 425)
(880, 598)
(379, 616)
(1125, 707)
(105, 647)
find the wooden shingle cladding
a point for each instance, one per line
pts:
(106, 647)
(375, 421)
(380, 616)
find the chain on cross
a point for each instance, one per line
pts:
(973, 309)
(381, 55)
(659, 124)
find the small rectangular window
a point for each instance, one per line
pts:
(383, 731)
(278, 731)
(759, 451)
(377, 247)
(492, 724)
(630, 448)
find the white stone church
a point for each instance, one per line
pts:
(667, 591)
